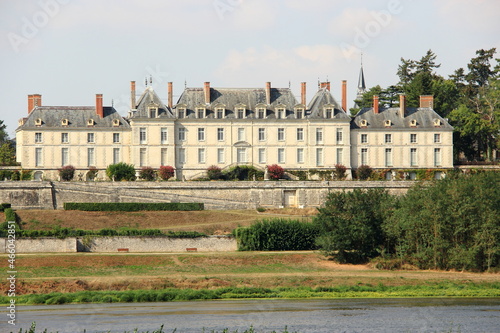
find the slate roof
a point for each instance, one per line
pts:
(150, 98)
(77, 116)
(321, 99)
(424, 119)
(230, 98)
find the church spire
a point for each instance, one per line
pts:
(361, 84)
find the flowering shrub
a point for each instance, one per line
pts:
(67, 172)
(364, 172)
(275, 171)
(166, 172)
(340, 172)
(147, 173)
(214, 172)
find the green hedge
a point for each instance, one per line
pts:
(4, 206)
(131, 206)
(10, 215)
(63, 232)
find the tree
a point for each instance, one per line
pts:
(121, 171)
(7, 154)
(349, 224)
(3, 133)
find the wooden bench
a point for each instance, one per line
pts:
(191, 249)
(123, 250)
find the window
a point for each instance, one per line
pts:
(153, 112)
(182, 134)
(240, 113)
(340, 136)
(220, 134)
(164, 156)
(364, 156)
(261, 113)
(413, 156)
(64, 137)
(142, 135)
(164, 135)
(300, 155)
(116, 137)
(413, 138)
(339, 155)
(329, 113)
(281, 134)
(241, 155)
(437, 138)
(201, 134)
(300, 134)
(319, 156)
(364, 138)
(90, 138)
(280, 113)
(90, 157)
(181, 113)
(201, 155)
(299, 113)
(319, 135)
(262, 155)
(262, 134)
(281, 155)
(437, 156)
(182, 155)
(200, 113)
(116, 155)
(220, 113)
(38, 137)
(388, 138)
(38, 157)
(64, 156)
(388, 157)
(142, 157)
(241, 134)
(220, 155)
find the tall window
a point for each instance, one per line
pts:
(319, 135)
(240, 113)
(339, 156)
(364, 156)
(64, 137)
(319, 156)
(281, 155)
(388, 157)
(116, 137)
(142, 135)
(413, 156)
(281, 134)
(164, 156)
(64, 156)
(437, 138)
(241, 155)
(38, 137)
(300, 155)
(241, 134)
(340, 136)
(164, 135)
(142, 157)
(261, 113)
(300, 134)
(90, 157)
(364, 138)
(262, 155)
(116, 155)
(437, 156)
(220, 155)
(181, 133)
(201, 155)
(90, 138)
(262, 134)
(220, 134)
(413, 138)
(38, 157)
(182, 155)
(388, 138)
(220, 113)
(201, 134)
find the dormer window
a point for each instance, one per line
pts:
(299, 113)
(200, 113)
(240, 113)
(220, 113)
(328, 113)
(64, 122)
(181, 113)
(90, 122)
(388, 123)
(280, 113)
(261, 113)
(363, 123)
(437, 122)
(153, 112)
(116, 122)
(413, 123)
(38, 122)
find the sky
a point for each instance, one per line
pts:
(70, 50)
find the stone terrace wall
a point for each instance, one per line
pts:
(215, 195)
(33, 245)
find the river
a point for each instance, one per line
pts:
(304, 316)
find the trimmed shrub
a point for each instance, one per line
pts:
(275, 171)
(131, 206)
(214, 172)
(26, 175)
(10, 215)
(364, 172)
(147, 173)
(340, 172)
(121, 171)
(67, 173)
(5, 174)
(4, 206)
(166, 172)
(243, 172)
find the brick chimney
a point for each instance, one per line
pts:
(170, 95)
(133, 104)
(206, 90)
(303, 93)
(34, 101)
(344, 95)
(99, 110)
(402, 105)
(268, 93)
(325, 85)
(375, 104)
(30, 103)
(427, 101)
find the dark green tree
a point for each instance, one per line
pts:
(4, 137)
(7, 154)
(121, 171)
